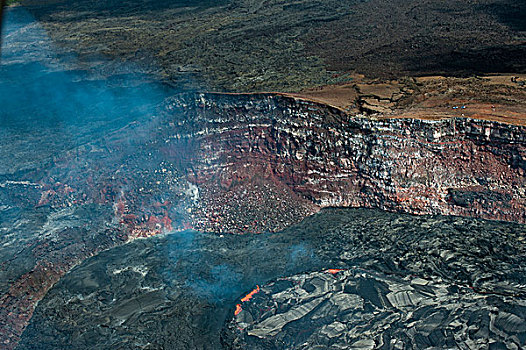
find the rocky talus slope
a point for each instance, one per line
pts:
(269, 157)
(242, 163)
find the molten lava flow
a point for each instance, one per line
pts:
(246, 298)
(334, 271)
(250, 295)
(238, 309)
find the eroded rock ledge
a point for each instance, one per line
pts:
(243, 163)
(262, 161)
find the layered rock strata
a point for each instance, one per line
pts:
(262, 156)
(243, 163)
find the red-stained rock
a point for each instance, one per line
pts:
(256, 163)
(316, 156)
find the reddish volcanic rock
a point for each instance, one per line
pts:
(245, 163)
(273, 154)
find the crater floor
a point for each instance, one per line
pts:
(436, 281)
(100, 147)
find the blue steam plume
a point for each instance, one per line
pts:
(48, 104)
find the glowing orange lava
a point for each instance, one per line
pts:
(250, 295)
(334, 271)
(246, 298)
(238, 309)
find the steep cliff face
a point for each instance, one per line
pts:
(243, 163)
(261, 160)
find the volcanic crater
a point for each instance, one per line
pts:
(363, 204)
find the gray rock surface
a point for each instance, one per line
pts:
(368, 310)
(421, 280)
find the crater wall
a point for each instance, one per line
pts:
(261, 156)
